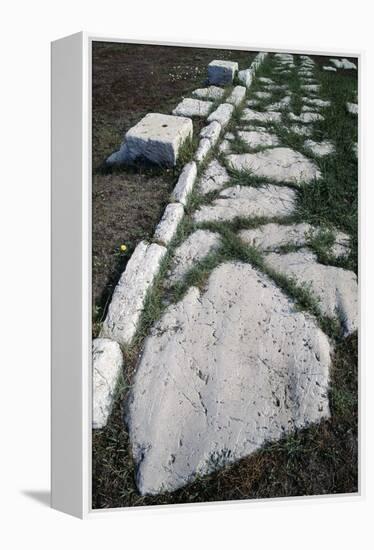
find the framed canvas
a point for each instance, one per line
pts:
(205, 274)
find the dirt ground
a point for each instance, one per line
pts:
(129, 81)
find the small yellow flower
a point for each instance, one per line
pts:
(123, 248)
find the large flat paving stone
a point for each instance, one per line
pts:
(194, 249)
(214, 178)
(319, 148)
(107, 363)
(223, 372)
(280, 164)
(210, 93)
(128, 299)
(193, 107)
(250, 115)
(250, 202)
(258, 139)
(156, 138)
(334, 287)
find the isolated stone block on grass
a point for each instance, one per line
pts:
(222, 72)
(157, 138)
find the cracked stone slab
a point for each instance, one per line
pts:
(210, 93)
(194, 249)
(222, 72)
(193, 107)
(334, 287)
(222, 114)
(211, 132)
(168, 225)
(259, 139)
(248, 202)
(156, 138)
(224, 371)
(107, 364)
(305, 118)
(250, 115)
(271, 237)
(280, 164)
(185, 183)
(214, 178)
(237, 95)
(127, 303)
(319, 149)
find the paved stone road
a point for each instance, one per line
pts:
(236, 363)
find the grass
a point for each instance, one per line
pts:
(320, 459)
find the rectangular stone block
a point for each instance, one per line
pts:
(185, 183)
(127, 303)
(222, 72)
(168, 225)
(157, 138)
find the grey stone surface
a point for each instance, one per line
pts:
(156, 138)
(193, 107)
(203, 149)
(343, 63)
(214, 178)
(224, 147)
(334, 287)
(129, 295)
(280, 105)
(301, 130)
(253, 103)
(222, 72)
(224, 371)
(210, 93)
(250, 115)
(222, 114)
(185, 183)
(311, 87)
(168, 225)
(248, 202)
(262, 95)
(211, 132)
(328, 68)
(280, 164)
(305, 118)
(237, 95)
(107, 363)
(265, 80)
(316, 102)
(272, 236)
(319, 149)
(258, 139)
(246, 77)
(352, 108)
(194, 249)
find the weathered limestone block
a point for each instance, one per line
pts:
(311, 87)
(343, 63)
(168, 225)
(301, 130)
(107, 363)
(265, 80)
(334, 287)
(222, 72)
(211, 132)
(211, 92)
(156, 138)
(280, 164)
(237, 95)
(203, 149)
(194, 249)
(262, 95)
(271, 116)
(248, 202)
(210, 390)
(246, 77)
(214, 178)
(193, 107)
(222, 114)
(258, 139)
(320, 149)
(185, 183)
(280, 105)
(328, 68)
(127, 303)
(225, 147)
